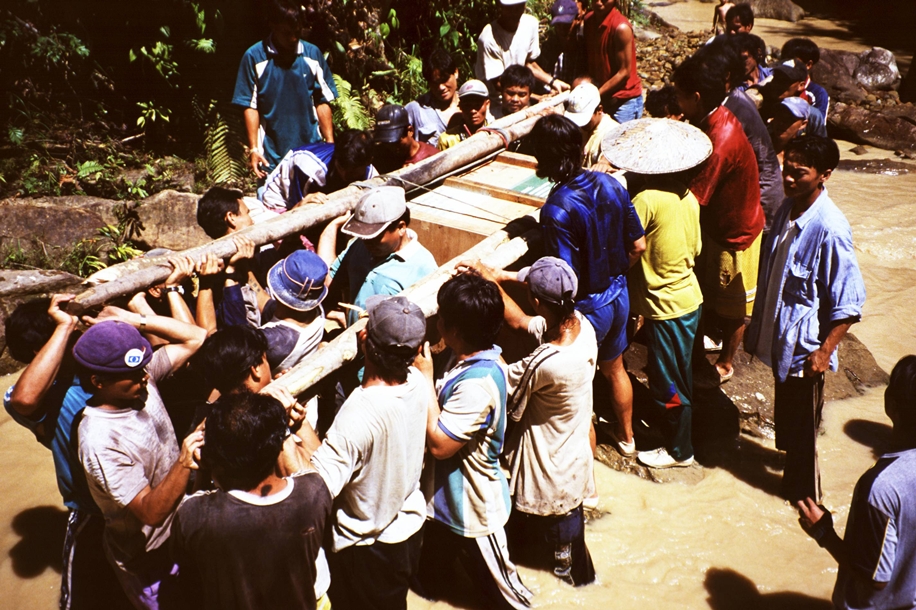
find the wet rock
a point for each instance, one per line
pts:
(859, 150)
(877, 70)
(17, 287)
(784, 10)
(742, 407)
(876, 166)
(888, 130)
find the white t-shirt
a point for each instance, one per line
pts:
(371, 461)
(123, 452)
(550, 395)
(498, 49)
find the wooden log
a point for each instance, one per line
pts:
(499, 251)
(141, 274)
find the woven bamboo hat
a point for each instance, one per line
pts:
(656, 146)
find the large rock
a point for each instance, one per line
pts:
(784, 10)
(894, 130)
(170, 221)
(55, 221)
(19, 286)
(877, 70)
(835, 71)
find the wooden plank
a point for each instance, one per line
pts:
(514, 158)
(497, 192)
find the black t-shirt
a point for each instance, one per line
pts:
(235, 554)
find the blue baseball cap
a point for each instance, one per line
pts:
(298, 281)
(564, 11)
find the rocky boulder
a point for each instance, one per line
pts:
(743, 407)
(170, 221)
(894, 129)
(877, 70)
(784, 10)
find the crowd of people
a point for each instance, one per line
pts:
(193, 481)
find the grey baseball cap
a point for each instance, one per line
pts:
(376, 210)
(472, 88)
(395, 322)
(551, 279)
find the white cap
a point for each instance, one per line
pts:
(581, 104)
(511, 2)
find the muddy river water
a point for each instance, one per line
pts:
(725, 542)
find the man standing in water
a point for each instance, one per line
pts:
(810, 293)
(878, 551)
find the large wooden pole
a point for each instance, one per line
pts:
(140, 274)
(498, 251)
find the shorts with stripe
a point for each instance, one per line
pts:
(485, 560)
(87, 579)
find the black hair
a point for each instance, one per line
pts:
(473, 307)
(517, 76)
(743, 12)
(283, 11)
(750, 43)
(28, 328)
(391, 363)
(353, 148)
(441, 61)
(814, 151)
(661, 103)
(227, 356)
(804, 49)
(243, 439)
(557, 144)
(901, 390)
(706, 74)
(213, 207)
(729, 48)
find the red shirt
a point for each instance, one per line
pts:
(601, 51)
(426, 150)
(727, 185)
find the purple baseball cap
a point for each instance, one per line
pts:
(112, 346)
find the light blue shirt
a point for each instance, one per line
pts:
(367, 277)
(820, 284)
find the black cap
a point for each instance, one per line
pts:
(390, 123)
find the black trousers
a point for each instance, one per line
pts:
(376, 576)
(797, 413)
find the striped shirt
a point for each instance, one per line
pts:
(468, 492)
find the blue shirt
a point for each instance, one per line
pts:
(820, 284)
(881, 537)
(820, 98)
(285, 97)
(367, 277)
(60, 407)
(590, 223)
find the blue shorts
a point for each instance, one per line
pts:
(629, 110)
(610, 323)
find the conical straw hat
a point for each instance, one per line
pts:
(656, 146)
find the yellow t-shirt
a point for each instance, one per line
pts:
(663, 285)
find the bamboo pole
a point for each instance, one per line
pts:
(498, 251)
(140, 274)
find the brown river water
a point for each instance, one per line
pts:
(725, 542)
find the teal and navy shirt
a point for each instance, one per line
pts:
(468, 492)
(366, 277)
(285, 97)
